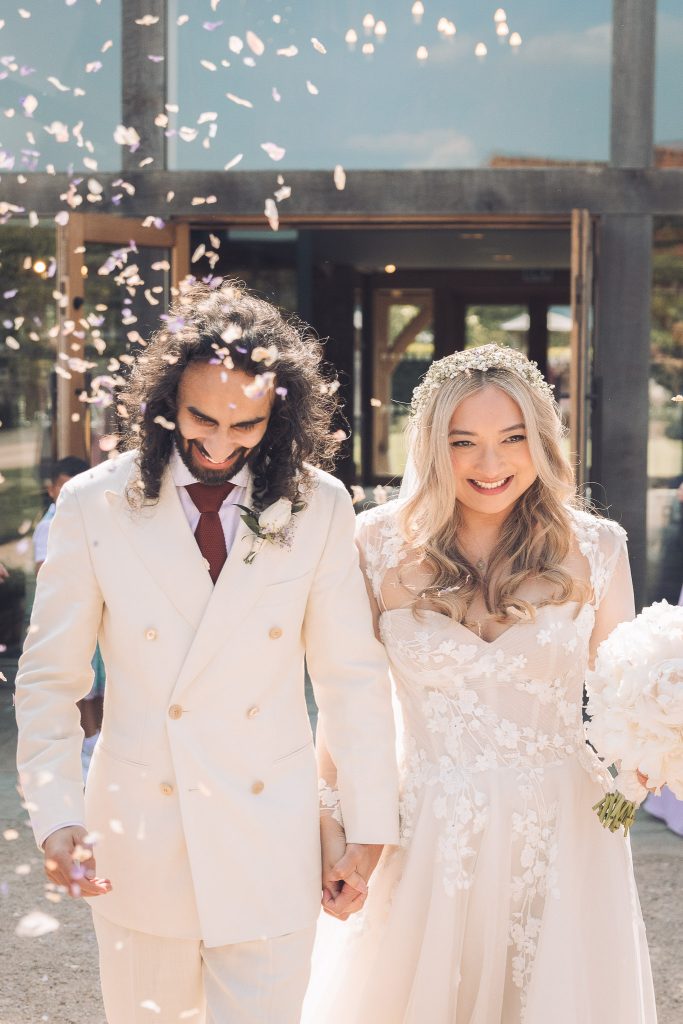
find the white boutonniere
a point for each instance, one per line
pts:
(273, 524)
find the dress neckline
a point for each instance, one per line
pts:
(475, 637)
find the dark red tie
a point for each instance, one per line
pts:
(209, 532)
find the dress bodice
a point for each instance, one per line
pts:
(515, 701)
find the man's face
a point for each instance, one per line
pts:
(218, 422)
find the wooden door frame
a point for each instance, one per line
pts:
(72, 434)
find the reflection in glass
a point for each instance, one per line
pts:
(665, 446)
(27, 381)
(403, 349)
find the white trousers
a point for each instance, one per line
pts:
(148, 979)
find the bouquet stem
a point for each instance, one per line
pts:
(615, 811)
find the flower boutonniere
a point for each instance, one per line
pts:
(273, 524)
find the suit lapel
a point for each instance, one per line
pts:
(234, 595)
(163, 540)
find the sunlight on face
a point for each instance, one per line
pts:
(217, 424)
(490, 452)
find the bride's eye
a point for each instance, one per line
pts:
(516, 438)
(460, 444)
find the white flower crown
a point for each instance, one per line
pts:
(485, 357)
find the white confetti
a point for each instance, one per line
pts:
(288, 51)
(272, 216)
(313, 89)
(206, 116)
(163, 422)
(59, 85)
(239, 101)
(317, 45)
(30, 105)
(340, 177)
(276, 95)
(235, 44)
(35, 924)
(12, 342)
(149, 1004)
(274, 151)
(255, 44)
(126, 136)
(209, 65)
(62, 218)
(147, 19)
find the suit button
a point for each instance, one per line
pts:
(258, 787)
(175, 711)
(166, 788)
(253, 712)
(150, 634)
(275, 633)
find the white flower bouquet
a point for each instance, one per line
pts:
(635, 704)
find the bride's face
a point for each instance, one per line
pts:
(490, 452)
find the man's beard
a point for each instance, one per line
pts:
(213, 477)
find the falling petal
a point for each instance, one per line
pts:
(271, 214)
(255, 44)
(239, 101)
(147, 19)
(208, 65)
(62, 218)
(313, 89)
(235, 44)
(58, 85)
(274, 151)
(35, 924)
(276, 95)
(288, 51)
(317, 45)
(30, 105)
(233, 163)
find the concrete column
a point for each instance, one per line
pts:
(633, 83)
(143, 87)
(624, 272)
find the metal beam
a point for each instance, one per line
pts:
(143, 82)
(633, 83)
(370, 197)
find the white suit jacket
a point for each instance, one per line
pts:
(202, 792)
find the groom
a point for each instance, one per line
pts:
(197, 839)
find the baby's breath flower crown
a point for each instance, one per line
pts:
(485, 357)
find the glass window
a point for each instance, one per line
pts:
(62, 86)
(668, 116)
(316, 85)
(665, 447)
(265, 261)
(27, 383)
(403, 349)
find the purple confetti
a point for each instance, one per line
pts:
(211, 25)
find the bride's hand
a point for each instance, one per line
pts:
(333, 847)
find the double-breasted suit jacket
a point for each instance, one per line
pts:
(202, 791)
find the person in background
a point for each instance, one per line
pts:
(91, 706)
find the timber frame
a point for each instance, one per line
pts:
(621, 198)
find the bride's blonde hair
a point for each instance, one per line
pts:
(535, 538)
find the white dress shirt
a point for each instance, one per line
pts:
(228, 512)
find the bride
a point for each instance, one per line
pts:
(506, 900)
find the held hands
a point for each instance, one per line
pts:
(69, 862)
(345, 880)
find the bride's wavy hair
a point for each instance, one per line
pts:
(536, 535)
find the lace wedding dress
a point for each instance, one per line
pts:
(507, 902)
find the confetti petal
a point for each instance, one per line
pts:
(255, 44)
(274, 151)
(35, 924)
(239, 101)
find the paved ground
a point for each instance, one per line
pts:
(54, 977)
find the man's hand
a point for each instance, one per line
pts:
(69, 862)
(345, 887)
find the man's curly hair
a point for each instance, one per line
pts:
(228, 324)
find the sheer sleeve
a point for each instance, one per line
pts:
(612, 584)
